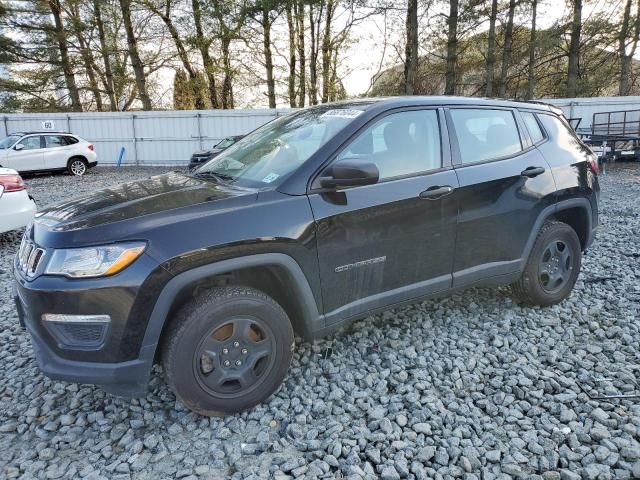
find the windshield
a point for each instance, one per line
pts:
(266, 156)
(224, 143)
(8, 141)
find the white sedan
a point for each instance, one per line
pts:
(16, 206)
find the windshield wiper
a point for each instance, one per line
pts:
(220, 177)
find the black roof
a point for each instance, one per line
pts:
(400, 101)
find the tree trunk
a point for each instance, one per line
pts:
(411, 49)
(87, 59)
(136, 63)
(624, 85)
(326, 51)
(313, 56)
(452, 48)
(61, 38)
(203, 46)
(105, 52)
(227, 82)
(302, 77)
(532, 51)
(574, 49)
(292, 53)
(268, 57)
(491, 49)
(506, 52)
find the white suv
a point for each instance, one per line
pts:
(46, 152)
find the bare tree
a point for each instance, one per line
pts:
(164, 10)
(532, 51)
(105, 51)
(291, 24)
(626, 54)
(203, 44)
(65, 60)
(491, 49)
(452, 48)
(506, 51)
(136, 63)
(411, 50)
(302, 77)
(574, 49)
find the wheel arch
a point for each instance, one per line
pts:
(278, 275)
(576, 212)
(81, 157)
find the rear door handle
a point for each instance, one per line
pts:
(435, 192)
(532, 172)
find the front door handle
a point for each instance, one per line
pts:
(436, 192)
(532, 172)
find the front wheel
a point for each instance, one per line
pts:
(227, 350)
(552, 267)
(77, 167)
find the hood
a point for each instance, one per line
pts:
(155, 195)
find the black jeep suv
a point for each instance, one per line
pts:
(318, 218)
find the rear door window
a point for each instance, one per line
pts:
(485, 134)
(52, 141)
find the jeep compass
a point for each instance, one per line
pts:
(318, 218)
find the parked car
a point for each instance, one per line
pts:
(319, 218)
(16, 205)
(202, 157)
(35, 152)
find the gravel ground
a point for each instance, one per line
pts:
(472, 386)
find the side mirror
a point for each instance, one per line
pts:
(350, 173)
(18, 147)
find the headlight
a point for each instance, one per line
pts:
(93, 261)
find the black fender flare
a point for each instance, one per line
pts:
(550, 211)
(311, 318)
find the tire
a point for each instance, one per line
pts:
(77, 166)
(552, 267)
(227, 350)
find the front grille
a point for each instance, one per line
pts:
(29, 257)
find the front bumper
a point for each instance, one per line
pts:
(125, 378)
(121, 364)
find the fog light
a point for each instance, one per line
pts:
(85, 332)
(66, 318)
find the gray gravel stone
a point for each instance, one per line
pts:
(472, 386)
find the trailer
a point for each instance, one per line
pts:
(612, 135)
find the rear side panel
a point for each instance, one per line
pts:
(569, 162)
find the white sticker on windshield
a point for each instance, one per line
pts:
(341, 113)
(270, 178)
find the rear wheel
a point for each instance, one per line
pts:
(227, 350)
(552, 268)
(77, 166)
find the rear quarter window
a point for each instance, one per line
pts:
(533, 127)
(71, 140)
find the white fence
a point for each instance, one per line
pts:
(149, 138)
(170, 137)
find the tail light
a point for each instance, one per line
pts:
(593, 163)
(90, 147)
(11, 183)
